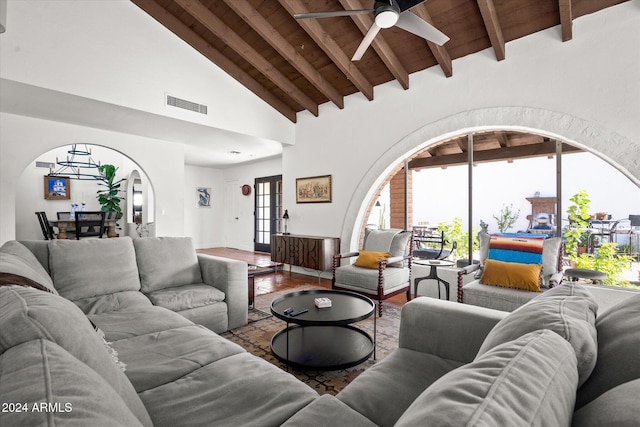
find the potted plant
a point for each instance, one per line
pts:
(109, 197)
(579, 216)
(507, 218)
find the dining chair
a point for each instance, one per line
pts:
(89, 224)
(47, 229)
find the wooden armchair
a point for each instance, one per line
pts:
(507, 298)
(382, 269)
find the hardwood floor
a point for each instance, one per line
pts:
(283, 279)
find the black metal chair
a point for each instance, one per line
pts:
(47, 229)
(90, 224)
(430, 244)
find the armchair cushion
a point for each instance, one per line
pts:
(366, 279)
(512, 275)
(371, 259)
(395, 241)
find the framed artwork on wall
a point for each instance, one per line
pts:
(315, 189)
(203, 195)
(57, 188)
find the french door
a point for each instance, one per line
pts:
(268, 211)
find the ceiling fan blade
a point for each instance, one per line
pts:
(364, 44)
(332, 13)
(410, 22)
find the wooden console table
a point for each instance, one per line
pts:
(312, 252)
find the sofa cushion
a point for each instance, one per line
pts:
(118, 325)
(618, 349)
(125, 300)
(571, 317)
(18, 265)
(166, 262)
(186, 296)
(615, 407)
(400, 379)
(240, 390)
(40, 372)
(516, 275)
(327, 411)
(529, 381)
(160, 357)
(28, 314)
(93, 267)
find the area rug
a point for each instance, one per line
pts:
(256, 339)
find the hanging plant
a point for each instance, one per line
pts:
(109, 197)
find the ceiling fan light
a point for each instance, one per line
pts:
(386, 18)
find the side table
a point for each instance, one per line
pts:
(433, 274)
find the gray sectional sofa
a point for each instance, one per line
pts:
(554, 361)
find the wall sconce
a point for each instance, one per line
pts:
(285, 217)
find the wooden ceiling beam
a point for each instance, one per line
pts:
(189, 36)
(260, 25)
(226, 34)
(382, 48)
(566, 19)
(330, 48)
(490, 18)
(498, 154)
(439, 52)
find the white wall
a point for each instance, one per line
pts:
(239, 233)
(112, 51)
(585, 91)
(202, 223)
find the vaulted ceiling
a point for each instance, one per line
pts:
(296, 65)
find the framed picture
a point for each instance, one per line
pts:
(203, 195)
(315, 189)
(57, 188)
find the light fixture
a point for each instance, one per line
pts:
(285, 218)
(387, 14)
(84, 168)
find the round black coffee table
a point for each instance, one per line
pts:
(323, 338)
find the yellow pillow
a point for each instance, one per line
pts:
(512, 275)
(371, 259)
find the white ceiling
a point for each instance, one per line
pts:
(204, 145)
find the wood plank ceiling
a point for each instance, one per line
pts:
(296, 65)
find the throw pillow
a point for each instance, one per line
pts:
(571, 317)
(526, 382)
(512, 275)
(371, 259)
(516, 248)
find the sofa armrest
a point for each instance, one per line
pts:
(446, 329)
(229, 276)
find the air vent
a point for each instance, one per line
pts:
(186, 105)
(45, 165)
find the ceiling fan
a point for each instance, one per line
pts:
(386, 14)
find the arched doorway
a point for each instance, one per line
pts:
(29, 188)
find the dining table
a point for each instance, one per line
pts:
(65, 224)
